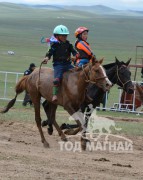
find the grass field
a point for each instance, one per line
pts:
(22, 27)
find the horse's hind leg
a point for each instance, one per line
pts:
(46, 107)
(36, 102)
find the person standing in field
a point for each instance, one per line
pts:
(27, 98)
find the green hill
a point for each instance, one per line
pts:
(21, 28)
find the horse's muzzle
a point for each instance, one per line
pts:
(130, 90)
(105, 87)
(108, 86)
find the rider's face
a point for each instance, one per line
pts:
(84, 35)
(62, 38)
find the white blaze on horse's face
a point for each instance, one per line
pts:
(106, 78)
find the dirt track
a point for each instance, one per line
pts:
(23, 157)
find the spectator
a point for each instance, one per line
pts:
(27, 97)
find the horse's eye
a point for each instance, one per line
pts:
(122, 70)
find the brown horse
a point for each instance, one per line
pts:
(71, 92)
(136, 98)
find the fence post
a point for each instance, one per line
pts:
(5, 84)
(5, 81)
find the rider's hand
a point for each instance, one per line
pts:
(45, 60)
(73, 59)
(94, 57)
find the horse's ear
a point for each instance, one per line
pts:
(117, 61)
(93, 60)
(128, 62)
(101, 60)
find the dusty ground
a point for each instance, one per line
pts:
(23, 157)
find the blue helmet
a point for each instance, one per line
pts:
(61, 29)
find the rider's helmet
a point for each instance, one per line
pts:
(80, 30)
(61, 30)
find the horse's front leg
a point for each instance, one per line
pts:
(73, 112)
(84, 139)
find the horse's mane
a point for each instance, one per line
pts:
(108, 66)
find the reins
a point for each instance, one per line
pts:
(87, 78)
(39, 75)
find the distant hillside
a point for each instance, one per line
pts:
(104, 10)
(22, 26)
(97, 9)
(50, 7)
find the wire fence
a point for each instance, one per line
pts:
(111, 101)
(8, 81)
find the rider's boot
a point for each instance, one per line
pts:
(55, 92)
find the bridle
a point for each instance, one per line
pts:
(123, 84)
(87, 76)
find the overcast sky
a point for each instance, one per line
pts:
(117, 4)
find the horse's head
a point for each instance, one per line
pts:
(123, 76)
(98, 75)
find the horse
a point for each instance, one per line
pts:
(71, 92)
(118, 73)
(136, 98)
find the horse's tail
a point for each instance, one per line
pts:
(20, 87)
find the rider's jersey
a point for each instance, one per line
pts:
(84, 49)
(61, 51)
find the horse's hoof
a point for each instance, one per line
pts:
(69, 132)
(46, 144)
(44, 123)
(50, 131)
(63, 126)
(64, 139)
(83, 144)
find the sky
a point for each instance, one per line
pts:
(116, 4)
